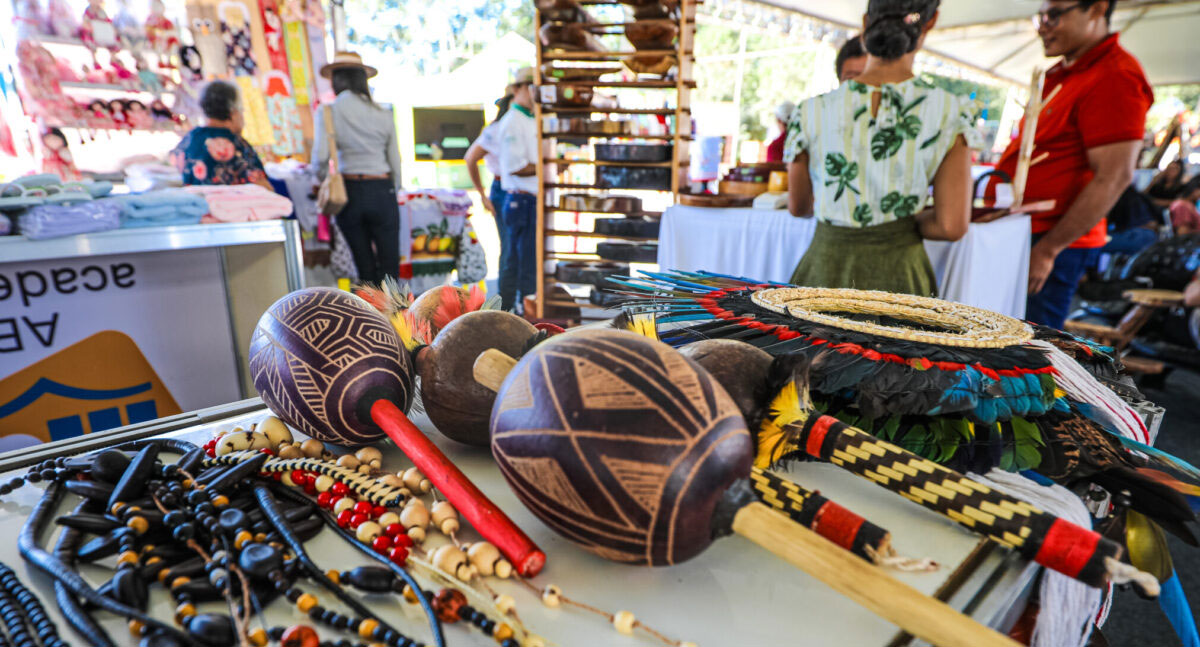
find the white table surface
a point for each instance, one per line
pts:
(733, 595)
(988, 268)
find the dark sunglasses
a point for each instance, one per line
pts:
(1050, 17)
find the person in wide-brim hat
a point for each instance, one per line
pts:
(347, 59)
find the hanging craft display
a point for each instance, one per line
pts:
(314, 19)
(206, 25)
(235, 34)
(273, 36)
(295, 41)
(283, 114)
(162, 35)
(258, 130)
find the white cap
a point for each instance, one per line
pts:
(784, 111)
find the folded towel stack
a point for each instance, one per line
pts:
(242, 203)
(159, 208)
(54, 221)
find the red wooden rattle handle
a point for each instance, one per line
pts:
(489, 520)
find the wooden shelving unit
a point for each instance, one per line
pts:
(552, 173)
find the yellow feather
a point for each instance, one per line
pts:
(643, 324)
(789, 408)
(404, 330)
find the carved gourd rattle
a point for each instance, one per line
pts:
(630, 450)
(328, 364)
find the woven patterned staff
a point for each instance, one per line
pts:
(365, 487)
(1069, 549)
(822, 516)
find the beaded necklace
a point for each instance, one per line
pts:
(398, 537)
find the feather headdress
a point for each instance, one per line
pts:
(884, 375)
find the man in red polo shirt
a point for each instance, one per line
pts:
(1091, 132)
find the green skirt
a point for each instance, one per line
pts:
(889, 257)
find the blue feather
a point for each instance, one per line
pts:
(1175, 605)
(1169, 459)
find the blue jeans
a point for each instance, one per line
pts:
(498, 196)
(1051, 306)
(518, 279)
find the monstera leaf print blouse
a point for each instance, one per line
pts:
(872, 170)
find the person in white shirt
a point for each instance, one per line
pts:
(486, 147)
(519, 159)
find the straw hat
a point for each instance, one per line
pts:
(523, 75)
(346, 59)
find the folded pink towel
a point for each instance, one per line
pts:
(243, 203)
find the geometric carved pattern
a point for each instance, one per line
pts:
(620, 444)
(319, 357)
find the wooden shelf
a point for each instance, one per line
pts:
(592, 234)
(668, 138)
(556, 185)
(645, 85)
(607, 55)
(676, 92)
(631, 214)
(573, 256)
(616, 111)
(567, 162)
(106, 89)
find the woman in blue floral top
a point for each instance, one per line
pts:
(215, 153)
(863, 158)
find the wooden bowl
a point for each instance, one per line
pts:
(714, 201)
(650, 65)
(655, 34)
(742, 189)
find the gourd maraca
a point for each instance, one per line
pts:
(457, 405)
(331, 366)
(632, 451)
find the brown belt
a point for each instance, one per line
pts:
(358, 177)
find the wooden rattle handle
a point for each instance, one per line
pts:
(911, 610)
(489, 520)
(491, 367)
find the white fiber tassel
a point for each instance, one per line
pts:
(1068, 607)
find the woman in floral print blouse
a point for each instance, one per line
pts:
(864, 156)
(215, 153)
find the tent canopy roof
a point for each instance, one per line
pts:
(997, 36)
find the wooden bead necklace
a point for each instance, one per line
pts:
(400, 541)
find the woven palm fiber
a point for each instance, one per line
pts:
(962, 325)
(320, 357)
(620, 444)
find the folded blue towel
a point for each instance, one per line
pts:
(42, 179)
(52, 221)
(133, 223)
(161, 198)
(165, 212)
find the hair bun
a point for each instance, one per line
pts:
(890, 38)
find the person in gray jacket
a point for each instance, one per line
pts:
(369, 160)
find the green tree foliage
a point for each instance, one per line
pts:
(768, 81)
(436, 36)
(772, 79)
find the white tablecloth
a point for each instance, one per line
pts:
(988, 268)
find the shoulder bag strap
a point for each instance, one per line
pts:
(331, 136)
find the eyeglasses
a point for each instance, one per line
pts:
(1049, 19)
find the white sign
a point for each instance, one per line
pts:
(172, 305)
